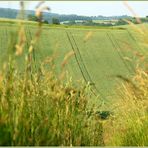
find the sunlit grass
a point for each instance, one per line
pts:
(39, 107)
(128, 127)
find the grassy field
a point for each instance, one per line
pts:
(45, 97)
(102, 54)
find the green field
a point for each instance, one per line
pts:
(104, 56)
(45, 98)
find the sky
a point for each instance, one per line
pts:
(88, 8)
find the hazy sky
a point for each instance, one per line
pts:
(89, 8)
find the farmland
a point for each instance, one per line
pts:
(39, 107)
(101, 54)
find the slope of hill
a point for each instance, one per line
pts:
(101, 56)
(13, 13)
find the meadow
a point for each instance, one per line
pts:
(102, 54)
(58, 80)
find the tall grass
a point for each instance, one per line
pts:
(38, 107)
(129, 126)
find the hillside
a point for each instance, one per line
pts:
(13, 13)
(101, 53)
(73, 85)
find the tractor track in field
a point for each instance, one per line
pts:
(87, 72)
(134, 40)
(81, 59)
(117, 49)
(75, 55)
(81, 63)
(122, 53)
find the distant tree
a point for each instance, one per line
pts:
(73, 22)
(45, 22)
(121, 22)
(32, 17)
(89, 21)
(55, 21)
